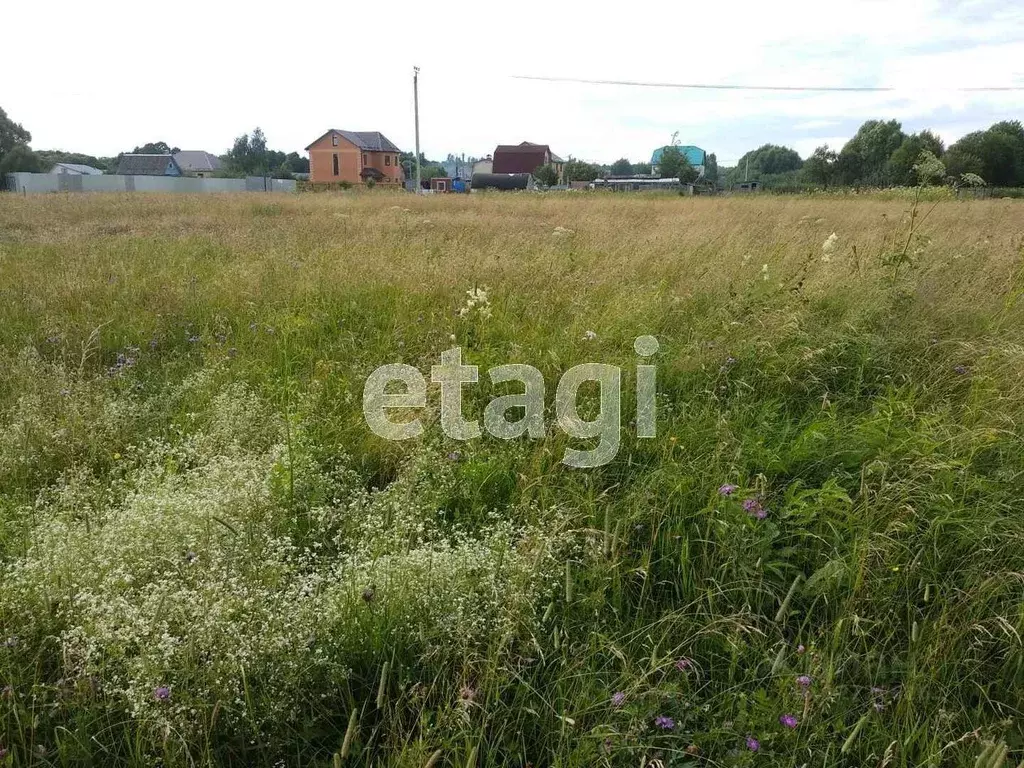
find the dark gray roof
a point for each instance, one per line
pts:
(197, 160)
(369, 141)
(144, 165)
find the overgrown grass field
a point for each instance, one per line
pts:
(207, 558)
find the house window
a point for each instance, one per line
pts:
(334, 139)
(364, 158)
(387, 160)
(335, 163)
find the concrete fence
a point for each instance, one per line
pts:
(35, 183)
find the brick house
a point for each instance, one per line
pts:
(525, 158)
(355, 157)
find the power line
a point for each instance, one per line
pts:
(727, 87)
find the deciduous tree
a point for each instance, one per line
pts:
(820, 167)
(20, 158)
(622, 167)
(900, 166)
(12, 134)
(863, 158)
(674, 165)
(546, 175)
(577, 170)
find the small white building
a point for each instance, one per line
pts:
(76, 169)
(483, 166)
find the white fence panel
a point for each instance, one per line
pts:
(38, 183)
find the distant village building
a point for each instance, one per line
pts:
(458, 167)
(76, 169)
(197, 163)
(483, 166)
(354, 157)
(641, 184)
(695, 156)
(526, 157)
(148, 165)
(746, 186)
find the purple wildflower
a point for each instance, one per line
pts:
(153, 343)
(454, 456)
(163, 693)
(800, 648)
(193, 339)
(728, 489)
(789, 721)
(960, 369)
(232, 352)
(754, 509)
(753, 744)
(665, 723)
(683, 664)
(804, 681)
(618, 698)
(53, 339)
(3, 752)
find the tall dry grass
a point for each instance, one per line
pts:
(206, 557)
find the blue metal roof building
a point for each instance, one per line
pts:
(695, 156)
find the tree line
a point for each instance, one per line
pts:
(881, 154)
(248, 156)
(673, 165)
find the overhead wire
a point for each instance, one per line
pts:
(781, 88)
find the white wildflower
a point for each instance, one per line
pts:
(764, 272)
(829, 247)
(477, 301)
(562, 232)
(589, 335)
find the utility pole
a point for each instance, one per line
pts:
(746, 173)
(416, 110)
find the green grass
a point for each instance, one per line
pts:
(190, 498)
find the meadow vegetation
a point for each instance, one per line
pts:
(206, 557)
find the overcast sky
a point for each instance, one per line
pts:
(104, 76)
